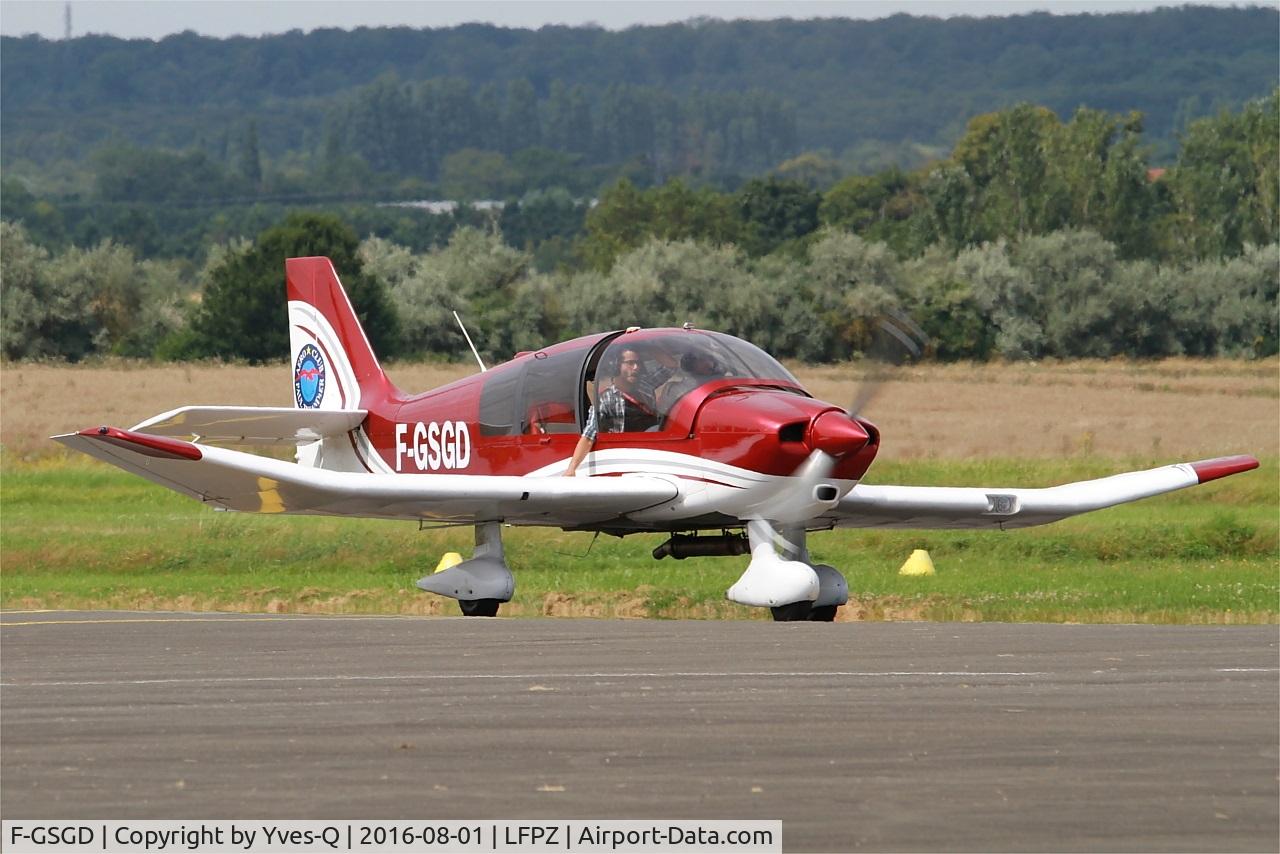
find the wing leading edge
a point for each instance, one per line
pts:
(233, 480)
(868, 506)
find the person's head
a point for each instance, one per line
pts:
(699, 363)
(628, 368)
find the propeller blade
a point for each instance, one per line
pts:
(897, 340)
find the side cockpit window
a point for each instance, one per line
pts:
(498, 401)
(550, 396)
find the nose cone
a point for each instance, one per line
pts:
(836, 434)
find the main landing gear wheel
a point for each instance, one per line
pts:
(823, 614)
(804, 612)
(479, 607)
(793, 613)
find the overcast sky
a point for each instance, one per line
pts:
(155, 19)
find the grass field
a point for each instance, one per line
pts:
(77, 534)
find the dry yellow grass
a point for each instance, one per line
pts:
(1172, 409)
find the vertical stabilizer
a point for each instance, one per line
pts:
(334, 367)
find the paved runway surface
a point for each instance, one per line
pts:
(872, 736)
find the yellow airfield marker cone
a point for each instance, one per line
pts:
(449, 559)
(918, 564)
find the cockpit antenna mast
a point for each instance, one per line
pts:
(474, 351)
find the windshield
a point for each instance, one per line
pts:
(642, 375)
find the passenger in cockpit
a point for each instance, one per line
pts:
(696, 368)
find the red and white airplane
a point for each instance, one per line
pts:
(715, 435)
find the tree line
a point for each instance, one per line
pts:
(445, 130)
(1036, 237)
(1067, 293)
(856, 88)
(1012, 173)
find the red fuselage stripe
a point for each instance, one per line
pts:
(681, 476)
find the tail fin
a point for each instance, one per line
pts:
(334, 366)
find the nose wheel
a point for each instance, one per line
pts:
(782, 571)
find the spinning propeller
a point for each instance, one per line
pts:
(781, 574)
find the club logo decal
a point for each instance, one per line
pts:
(308, 378)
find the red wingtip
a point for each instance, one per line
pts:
(1208, 470)
(144, 443)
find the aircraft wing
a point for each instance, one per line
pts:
(867, 506)
(252, 425)
(232, 480)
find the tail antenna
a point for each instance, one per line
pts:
(474, 351)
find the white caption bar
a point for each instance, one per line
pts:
(419, 835)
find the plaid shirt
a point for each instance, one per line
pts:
(615, 409)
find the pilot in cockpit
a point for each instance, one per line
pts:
(625, 406)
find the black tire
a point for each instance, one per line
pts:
(479, 607)
(823, 614)
(795, 612)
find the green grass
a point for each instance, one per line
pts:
(82, 535)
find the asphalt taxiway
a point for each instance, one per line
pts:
(880, 736)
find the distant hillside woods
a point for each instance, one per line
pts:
(1022, 187)
(719, 100)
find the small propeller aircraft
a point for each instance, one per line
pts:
(696, 432)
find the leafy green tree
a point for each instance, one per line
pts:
(1006, 296)
(540, 217)
(1005, 155)
(1072, 272)
(250, 158)
(681, 212)
(946, 309)
(129, 174)
(242, 314)
(83, 301)
(668, 283)
(520, 126)
(619, 222)
(36, 319)
(853, 283)
(952, 198)
(474, 174)
(1227, 308)
(43, 220)
(1097, 179)
(1226, 183)
(775, 212)
(482, 278)
(888, 207)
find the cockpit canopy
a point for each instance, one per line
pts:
(640, 376)
(657, 368)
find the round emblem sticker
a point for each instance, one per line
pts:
(308, 378)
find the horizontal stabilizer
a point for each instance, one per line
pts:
(252, 425)
(868, 506)
(234, 480)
